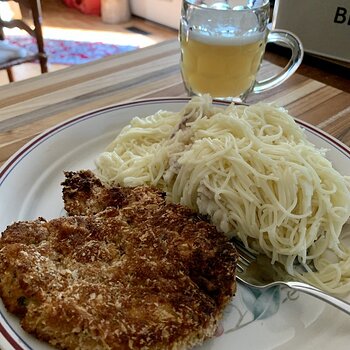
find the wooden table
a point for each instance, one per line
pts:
(30, 106)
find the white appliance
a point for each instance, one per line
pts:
(323, 26)
(166, 12)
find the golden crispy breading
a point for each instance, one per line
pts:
(136, 276)
(84, 194)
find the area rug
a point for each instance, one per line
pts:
(70, 52)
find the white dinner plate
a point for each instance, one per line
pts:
(30, 187)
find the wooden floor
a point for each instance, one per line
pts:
(61, 22)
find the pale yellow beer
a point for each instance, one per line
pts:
(222, 45)
(222, 67)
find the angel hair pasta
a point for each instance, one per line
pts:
(252, 170)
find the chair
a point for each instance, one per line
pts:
(28, 6)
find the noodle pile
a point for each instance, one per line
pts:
(251, 169)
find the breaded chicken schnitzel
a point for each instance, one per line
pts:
(138, 273)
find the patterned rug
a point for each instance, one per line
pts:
(70, 52)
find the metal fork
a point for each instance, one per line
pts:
(257, 274)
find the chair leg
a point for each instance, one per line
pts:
(43, 63)
(10, 75)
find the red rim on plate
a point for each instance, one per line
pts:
(6, 329)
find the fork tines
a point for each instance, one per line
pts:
(245, 256)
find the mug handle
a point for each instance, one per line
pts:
(286, 39)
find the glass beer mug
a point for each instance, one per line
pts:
(222, 45)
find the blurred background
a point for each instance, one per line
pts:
(78, 31)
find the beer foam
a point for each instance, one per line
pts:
(227, 28)
(225, 39)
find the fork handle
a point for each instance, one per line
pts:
(303, 287)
